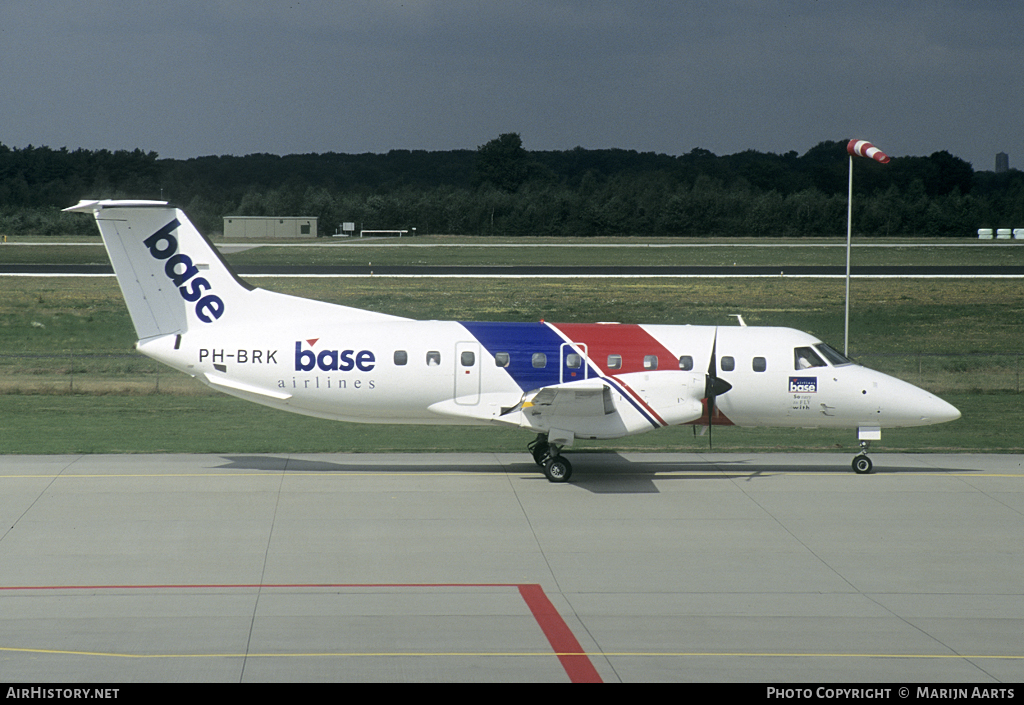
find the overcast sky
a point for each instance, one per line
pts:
(196, 77)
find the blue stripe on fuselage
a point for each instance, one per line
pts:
(521, 341)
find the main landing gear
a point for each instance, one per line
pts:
(547, 456)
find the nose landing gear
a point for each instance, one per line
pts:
(862, 463)
(865, 434)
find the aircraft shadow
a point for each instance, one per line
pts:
(284, 463)
(599, 473)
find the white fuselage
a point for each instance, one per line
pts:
(440, 372)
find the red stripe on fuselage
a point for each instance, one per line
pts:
(719, 419)
(628, 340)
(633, 343)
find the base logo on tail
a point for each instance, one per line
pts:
(180, 269)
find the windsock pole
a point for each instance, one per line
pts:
(849, 232)
(858, 148)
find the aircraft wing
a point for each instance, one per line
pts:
(584, 400)
(572, 399)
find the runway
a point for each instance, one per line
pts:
(767, 568)
(564, 271)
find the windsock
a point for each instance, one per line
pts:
(863, 148)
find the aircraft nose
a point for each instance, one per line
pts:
(943, 411)
(929, 409)
(907, 405)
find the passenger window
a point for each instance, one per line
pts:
(728, 363)
(650, 362)
(401, 357)
(540, 360)
(686, 362)
(760, 364)
(433, 358)
(501, 359)
(806, 358)
(573, 361)
(615, 362)
(468, 358)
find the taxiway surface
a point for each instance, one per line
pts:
(472, 567)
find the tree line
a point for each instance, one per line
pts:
(503, 189)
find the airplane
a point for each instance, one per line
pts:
(562, 382)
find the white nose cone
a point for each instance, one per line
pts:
(916, 407)
(940, 411)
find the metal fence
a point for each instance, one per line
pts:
(78, 372)
(947, 373)
(83, 372)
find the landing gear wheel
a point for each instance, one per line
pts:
(558, 469)
(862, 465)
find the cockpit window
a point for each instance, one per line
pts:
(806, 358)
(833, 355)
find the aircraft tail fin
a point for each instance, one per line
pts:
(172, 277)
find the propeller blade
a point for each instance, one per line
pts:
(711, 412)
(709, 384)
(713, 384)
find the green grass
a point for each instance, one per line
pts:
(93, 253)
(947, 316)
(219, 424)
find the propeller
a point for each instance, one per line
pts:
(713, 385)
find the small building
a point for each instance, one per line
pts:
(1002, 162)
(249, 226)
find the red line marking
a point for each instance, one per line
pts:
(570, 654)
(574, 659)
(172, 586)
